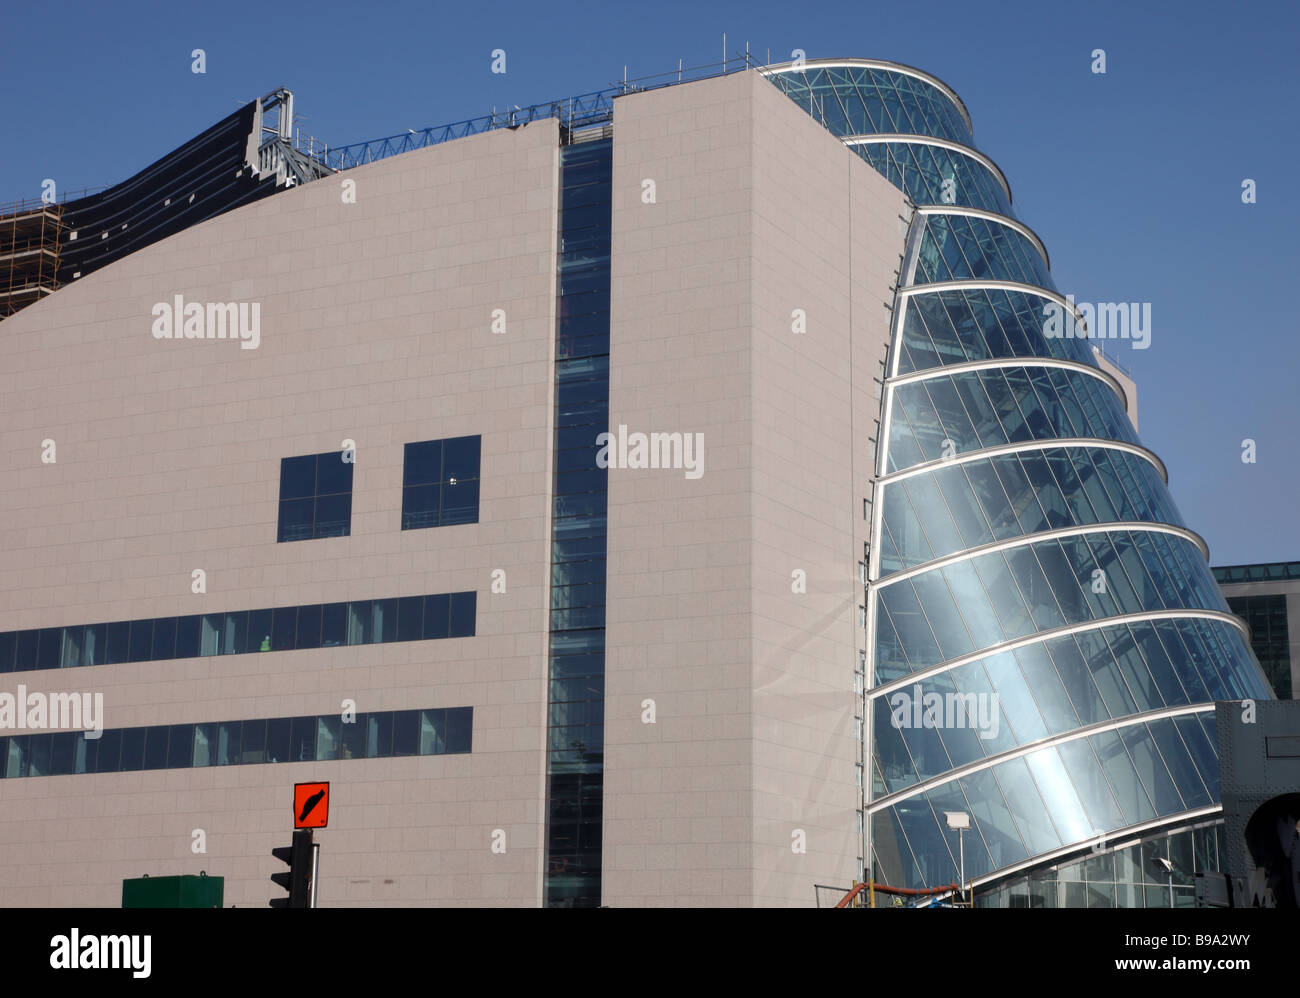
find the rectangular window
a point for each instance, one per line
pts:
(110, 751)
(302, 739)
(334, 625)
(463, 607)
(187, 636)
(228, 743)
(315, 497)
(327, 736)
(354, 738)
(140, 647)
(440, 482)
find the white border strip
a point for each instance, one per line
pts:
(903, 138)
(1002, 363)
(965, 457)
(1025, 540)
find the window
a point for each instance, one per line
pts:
(440, 482)
(315, 497)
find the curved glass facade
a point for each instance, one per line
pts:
(966, 247)
(1044, 639)
(1012, 494)
(939, 174)
(967, 325)
(945, 414)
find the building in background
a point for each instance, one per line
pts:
(1267, 597)
(601, 496)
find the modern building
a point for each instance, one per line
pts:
(1267, 597)
(676, 496)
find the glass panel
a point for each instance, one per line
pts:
(1155, 777)
(1179, 762)
(155, 747)
(229, 743)
(110, 751)
(1042, 678)
(328, 736)
(433, 732)
(360, 625)
(180, 748)
(410, 618)
(254, 742)
(309, 625)
(334, 625)
(379, 735)
(187, 636)
(297, 477)
(1026, 806)
(406, 732)
(70, 657)
(302, 739)
(384, 620)
(277, 739)
(284, 628)
(259, 630)
(437, 615)
(463, 607)
(141, 641)
(93, 651)
(460, 727)
(989, 809)
(353, 738)
(1058, 792)
(164, 638)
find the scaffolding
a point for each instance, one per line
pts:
(31, 234)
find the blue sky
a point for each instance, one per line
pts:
(1132, 178)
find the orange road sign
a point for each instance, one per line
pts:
(311, 805)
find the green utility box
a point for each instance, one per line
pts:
(174, 892)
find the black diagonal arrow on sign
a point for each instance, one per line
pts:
(309, 804)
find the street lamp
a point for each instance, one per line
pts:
(960, 821)
(1167, 868)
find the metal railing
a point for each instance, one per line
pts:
(574, 113)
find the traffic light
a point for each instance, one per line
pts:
(297, 881)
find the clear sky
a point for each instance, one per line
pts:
(1132, 178)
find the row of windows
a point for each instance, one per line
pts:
(1258, 573)
(380, 735)
(286, 628)
(440, 487)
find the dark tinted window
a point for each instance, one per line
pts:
(315, 497)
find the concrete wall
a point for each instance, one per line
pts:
(374, 327)
(758, 212)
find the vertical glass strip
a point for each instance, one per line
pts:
(576, 707)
